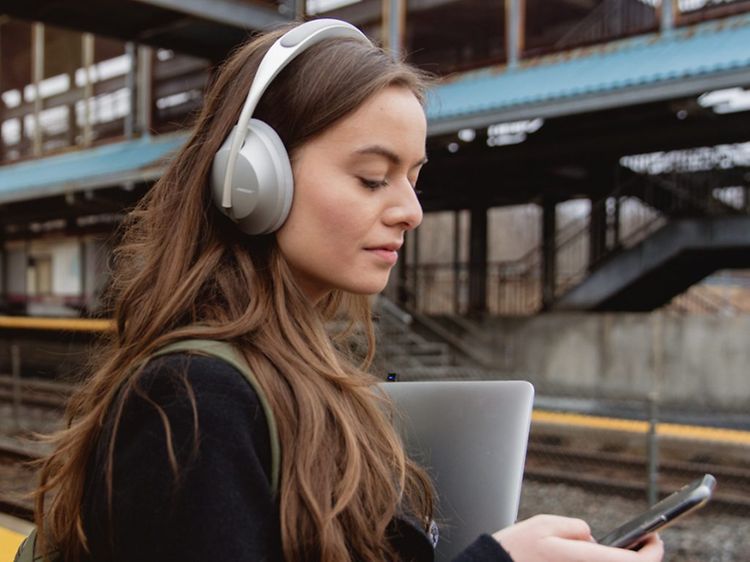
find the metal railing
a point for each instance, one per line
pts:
(612, 19)
(641, 204)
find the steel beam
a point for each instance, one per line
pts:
(229, 12)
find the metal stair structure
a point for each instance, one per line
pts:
(684, 228)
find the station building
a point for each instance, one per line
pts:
(584, 154)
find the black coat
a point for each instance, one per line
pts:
(220, 507)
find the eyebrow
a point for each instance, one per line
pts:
(387, 154)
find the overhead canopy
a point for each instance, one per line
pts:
(203, 28)
(138, 161)
(648, 68)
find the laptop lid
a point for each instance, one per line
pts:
(471, 437)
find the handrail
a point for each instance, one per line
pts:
(625, 16)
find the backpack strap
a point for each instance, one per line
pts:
(26, 550)
(213, 348)
(229, 354)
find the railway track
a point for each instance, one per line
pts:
(17, 479)
(33, 392)
(626, 474)
(608, 473)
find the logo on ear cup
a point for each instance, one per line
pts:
(262, 183)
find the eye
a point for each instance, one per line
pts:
(373, 184)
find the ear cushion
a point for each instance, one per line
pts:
(262, 185)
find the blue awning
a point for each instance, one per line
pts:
(653, 67)
(137, 160)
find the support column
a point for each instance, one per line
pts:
(415, 273)
(597, 232)
(549, 250)
(667, 15)
(88, 89)
(402, 287)
(130, 86)
(393, 24)
(457, 262)
(3, 272)
(478, 261)
(144, 87)
(515, 30)
(37, 75)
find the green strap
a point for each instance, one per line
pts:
(27, 551)
(214, 348)
(229, 354)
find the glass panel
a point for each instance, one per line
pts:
(445, 37)
(555, 25)
(111, 102)
(62, 58)
(179, 81)
(15, 75)
(691, 11)
(365, 14)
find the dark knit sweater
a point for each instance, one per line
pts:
(220, 507)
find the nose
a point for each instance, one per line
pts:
(404, 209)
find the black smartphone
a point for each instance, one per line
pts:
(683, 501)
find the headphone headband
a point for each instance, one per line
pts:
(281, 53)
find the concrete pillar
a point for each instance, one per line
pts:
(478, 261)
(16, 262)
(549, 249)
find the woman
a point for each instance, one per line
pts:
(174, 460)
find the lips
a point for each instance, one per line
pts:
(387, 252)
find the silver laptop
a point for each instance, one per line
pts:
(471, 436)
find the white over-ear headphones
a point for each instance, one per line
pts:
(251, 177)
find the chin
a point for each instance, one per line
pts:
(369, 288)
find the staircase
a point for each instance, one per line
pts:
(654, 237)
(416, 347)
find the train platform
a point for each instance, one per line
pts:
(12, 532)
(638, 410)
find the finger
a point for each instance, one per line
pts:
(564, 527)
(582, 550)
(652, 549)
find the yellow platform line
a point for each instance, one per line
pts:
(9, 543)
(59, 324)
(673, 430)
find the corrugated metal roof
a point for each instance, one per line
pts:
(102, 166)
(705, 50)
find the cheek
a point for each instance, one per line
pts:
(330, 211)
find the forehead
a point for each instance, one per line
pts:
(393, 118)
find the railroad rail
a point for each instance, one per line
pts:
(625, 474)
(13, 458)
(34, 392)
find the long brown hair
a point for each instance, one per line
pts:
(183, 271)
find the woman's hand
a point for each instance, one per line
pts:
(549, 537)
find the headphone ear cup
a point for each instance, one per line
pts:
(262, 184)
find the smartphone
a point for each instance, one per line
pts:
(687, 499)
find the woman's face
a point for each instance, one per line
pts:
(354, 196)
